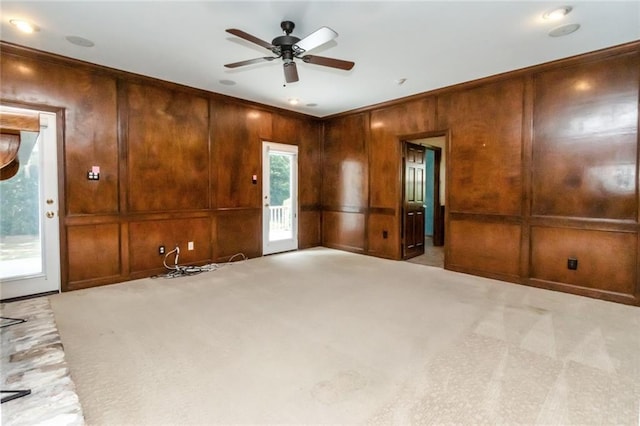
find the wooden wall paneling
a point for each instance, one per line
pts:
(345, 183)
(238, 231)
(345, 163)
(486, 247)
(551, 247)
(343, 230)
(168, 150)
(485, 162)
(309, 228)
(237, 133)
(90, 136)
(383, 231)
(586, 140)
(146, 236)
(93, 255)
(379, 225)
(527, 148)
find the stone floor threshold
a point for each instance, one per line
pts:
(33, 359)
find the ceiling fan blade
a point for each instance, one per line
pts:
(250, 38)
(315, 39)
(249, 62)
(328, 62)
(290, 72)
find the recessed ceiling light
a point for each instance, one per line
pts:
(564, 30)
(293, 101)
(401, 81)
(80, 41)
(311, 105)
(24, 26)
(227, 82)
(557, 13)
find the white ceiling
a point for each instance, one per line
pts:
(432, 44)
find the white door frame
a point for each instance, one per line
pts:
(49, 279)
(276, 246)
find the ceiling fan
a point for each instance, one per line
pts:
(289, 47)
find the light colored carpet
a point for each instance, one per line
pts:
(323, 336)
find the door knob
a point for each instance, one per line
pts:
(50, 214)
(266, 205)
(49, 201)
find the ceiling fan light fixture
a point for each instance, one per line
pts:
(557, 13)
(24, 26)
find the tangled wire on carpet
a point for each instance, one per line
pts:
(176, 270)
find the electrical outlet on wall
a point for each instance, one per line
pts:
(190, 245)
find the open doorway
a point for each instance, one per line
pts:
(434, 200)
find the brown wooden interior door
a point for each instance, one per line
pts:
(413, 200)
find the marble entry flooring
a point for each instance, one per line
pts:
(433, 256)
(33, 358)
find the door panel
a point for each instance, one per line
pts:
(29, 233)
(413, 200)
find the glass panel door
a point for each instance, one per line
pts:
(280, 197)
(29, 227)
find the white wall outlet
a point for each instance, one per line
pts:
(190, 245)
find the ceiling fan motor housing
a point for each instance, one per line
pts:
(284, 44)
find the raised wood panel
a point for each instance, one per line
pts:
(168, 150)
(237, 133)
(94, 252)
(387, 125)
(606, 260)
(378, 245)
(485, 148)
(238, 231)
(309, 229)
(585, 140)
(90, 127)
(343, 230)
(146, 236)
(345, 162)
(483, 247)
